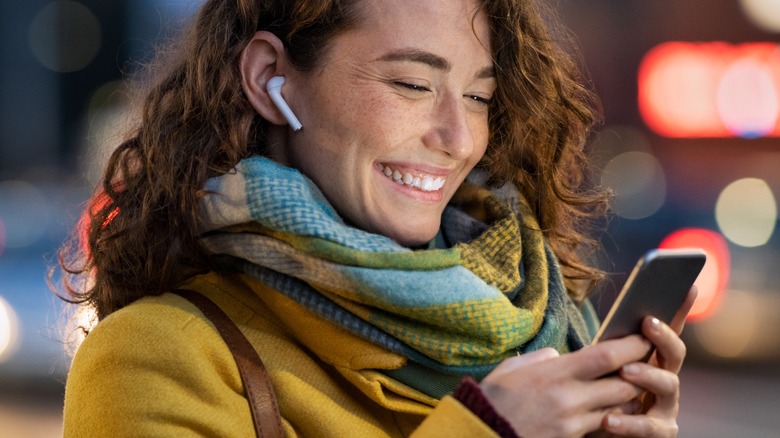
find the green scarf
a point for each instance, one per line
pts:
(494, 292)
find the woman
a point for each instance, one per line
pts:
(373, 280)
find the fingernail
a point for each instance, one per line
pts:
(613, 421)
(655, 323)
(631, 368)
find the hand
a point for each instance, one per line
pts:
(660, 403)
(543, 394)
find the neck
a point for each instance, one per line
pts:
(277, 139)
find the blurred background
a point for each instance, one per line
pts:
(690, 144)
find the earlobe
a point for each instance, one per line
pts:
(262, 59)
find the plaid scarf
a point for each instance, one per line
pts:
(494, 292)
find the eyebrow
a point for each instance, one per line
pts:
(432, 60)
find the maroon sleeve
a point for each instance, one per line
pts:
(471, 396)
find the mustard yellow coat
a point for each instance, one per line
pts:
(158, 368)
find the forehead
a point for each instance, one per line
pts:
(461, 24)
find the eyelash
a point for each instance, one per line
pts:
(421, 88)
(481, 100)
(412, 87)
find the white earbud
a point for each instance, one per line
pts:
(274, 88)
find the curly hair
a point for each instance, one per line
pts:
(539, 124)
(138, 235)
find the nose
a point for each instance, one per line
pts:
(451, 130)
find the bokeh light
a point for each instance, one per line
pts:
(763, 13)
(638, 182)
(714, 277)
(25, 211)
(65, 36)
(9, 330)
(613, 140)
(746, 212)
(748, 101)
(711, 89)
(675, 90)
(729, 333)
(745, 327)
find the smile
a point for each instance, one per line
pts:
(425, 183)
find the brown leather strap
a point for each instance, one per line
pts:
(257, 384)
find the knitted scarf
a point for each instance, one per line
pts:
(495, 291)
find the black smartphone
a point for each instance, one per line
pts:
(657, 287)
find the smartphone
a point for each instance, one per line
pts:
(657, 287)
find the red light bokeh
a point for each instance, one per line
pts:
(714, 276)
(712, 89)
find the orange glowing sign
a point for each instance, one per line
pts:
(714, 276)
(711, 89)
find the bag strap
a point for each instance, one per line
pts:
(257, 384)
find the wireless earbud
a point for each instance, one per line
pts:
(274, 88)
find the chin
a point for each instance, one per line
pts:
(412, 239)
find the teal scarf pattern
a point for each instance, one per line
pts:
(494, 291)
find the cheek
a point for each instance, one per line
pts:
(354, 116)
(376, 125)
(481, 137)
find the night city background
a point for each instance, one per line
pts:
(690, 144)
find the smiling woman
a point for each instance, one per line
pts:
(407, 261)
(407, 92)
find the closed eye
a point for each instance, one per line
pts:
(483, 100)
(412, 87)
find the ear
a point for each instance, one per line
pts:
(262, 59)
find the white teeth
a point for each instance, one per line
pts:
(424, 183)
